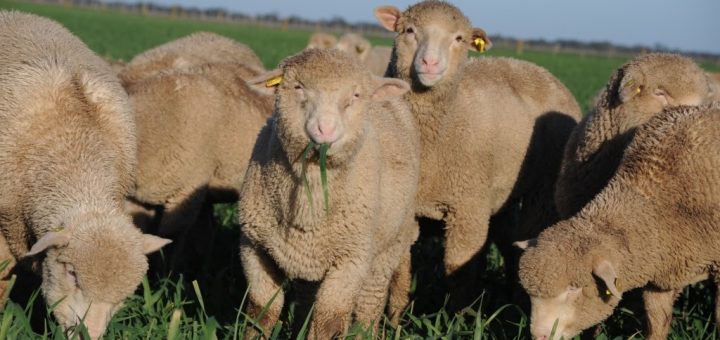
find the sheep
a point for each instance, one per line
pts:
(636, 91)
(196, 131)
(321, 40)
(376, 58)
(356, 243)
(655, 225)
(493, 131)
(67, 159)
(193, 50)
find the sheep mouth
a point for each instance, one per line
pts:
(430, 78)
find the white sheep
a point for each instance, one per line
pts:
(67, 160)
(355, 237)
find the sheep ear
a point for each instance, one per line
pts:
(362, 47)
(662, 96)
(51, 239)
(480, 41)
(386, 88)
(631, 85)
(152, 243)
(605, 271)
(523, 245)
(266, 83)
(388, 17)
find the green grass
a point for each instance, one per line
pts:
(205, 301)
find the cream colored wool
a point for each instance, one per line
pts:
(360, 247)
(196, 131)
(655, 225)
(67, 160)
(492, 130)
(636, 92)
(187, 52)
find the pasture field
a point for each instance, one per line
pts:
(203, 302)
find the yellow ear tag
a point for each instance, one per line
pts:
(274, 81)
(480, 44)
(607, 292)
(638, 90)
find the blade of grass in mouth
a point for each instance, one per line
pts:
(306, 183)
(306, 156)
(323, 173)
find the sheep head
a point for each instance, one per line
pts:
(90, 267)
(323, 96)
(573, 282)
(355, 45)
(649, 83)
(321, 40)
(432, 40)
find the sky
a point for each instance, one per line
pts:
(689, 25)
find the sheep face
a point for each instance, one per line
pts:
(89, 269)
(571, 281)
(354, 45)
(650, 83)
(323, 97)
(432, 42)
(322, 40)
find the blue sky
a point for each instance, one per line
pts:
(692, 25)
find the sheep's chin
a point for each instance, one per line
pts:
(430, 79)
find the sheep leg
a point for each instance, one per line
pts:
(374, 292)
(7, 260)
(465, 234)
(400, 288)
(265, 293)
(658, 307)
(336, 297)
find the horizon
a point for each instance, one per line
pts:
(691, 31)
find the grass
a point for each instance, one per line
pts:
(204, 301)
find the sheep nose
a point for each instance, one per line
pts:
(430, 61)
(542, 337)
(326, 128)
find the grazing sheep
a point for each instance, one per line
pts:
(655, 225)
(376, 58)
(636, 92)
(321, 40)
(67, 159)
(492, 129)
(354, 241)
(196, 131)
(193, 50)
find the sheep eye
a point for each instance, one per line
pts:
(409, 30)
(357, 95)
(459, 38)
(298, 87)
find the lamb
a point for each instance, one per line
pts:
(655, 225)
(636, 91)
(193, 50)
(492, 129)
(196, 131)
(321, 40)
(356, 241)
(376, 58)
(67, 159)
